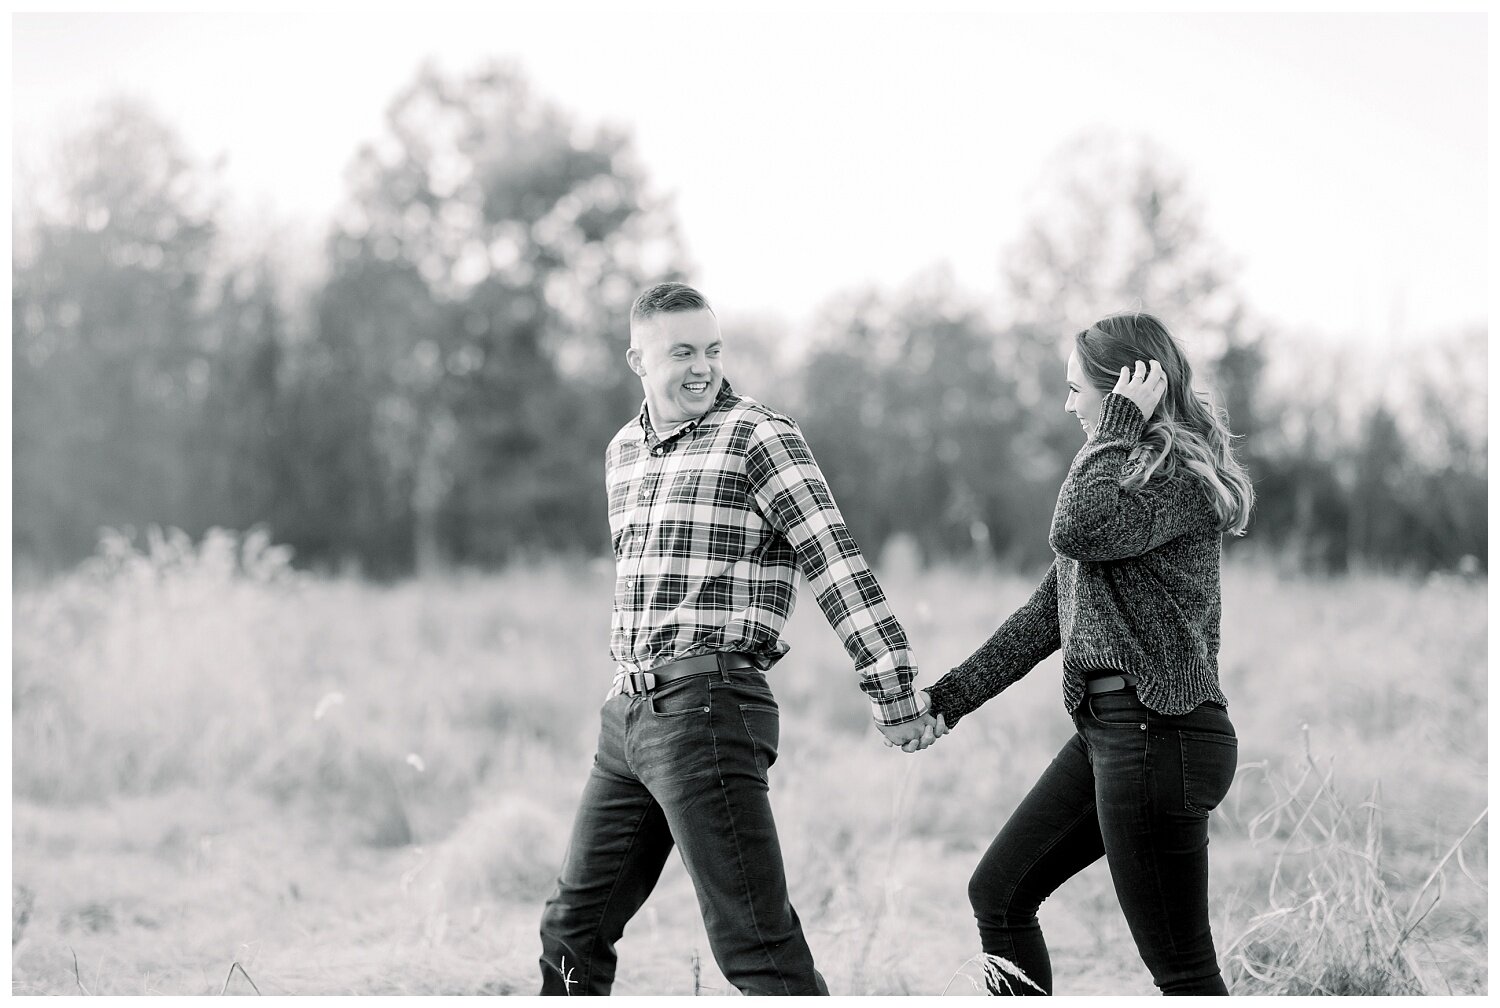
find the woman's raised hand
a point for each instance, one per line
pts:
(1144, 386)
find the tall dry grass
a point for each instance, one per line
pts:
(1333, 921)
(369, 786)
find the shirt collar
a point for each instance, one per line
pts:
(659, 445)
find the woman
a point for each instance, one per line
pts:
(1132, 599)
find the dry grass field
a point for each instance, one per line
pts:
(345, 787)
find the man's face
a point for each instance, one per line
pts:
(677, 355)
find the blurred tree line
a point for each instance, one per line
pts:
(444, 392)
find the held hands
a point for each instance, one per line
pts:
(1143, 387)
(915, 735)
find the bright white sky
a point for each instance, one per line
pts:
(1341, 158)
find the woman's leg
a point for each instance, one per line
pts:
(1052, 836)
(1159, 777)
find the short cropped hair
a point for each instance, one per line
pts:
(667, 297)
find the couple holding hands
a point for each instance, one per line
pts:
(715, 504)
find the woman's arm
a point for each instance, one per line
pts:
(1029, 635)
(1098, 520)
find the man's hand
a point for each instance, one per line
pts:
(915, 735)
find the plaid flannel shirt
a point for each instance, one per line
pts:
(710, 525)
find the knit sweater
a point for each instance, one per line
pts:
(1134, 587)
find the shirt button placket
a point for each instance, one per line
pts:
(647, 489)
(648, 480)
(643, 496)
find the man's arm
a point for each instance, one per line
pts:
(794, 499)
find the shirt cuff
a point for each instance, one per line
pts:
(899, 709)
(1119, 418)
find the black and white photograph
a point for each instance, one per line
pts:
(785, 499)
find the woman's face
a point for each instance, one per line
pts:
(1083, 399)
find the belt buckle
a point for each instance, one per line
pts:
(633, 683)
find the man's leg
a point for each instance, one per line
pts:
(619, 844)
(704, 748)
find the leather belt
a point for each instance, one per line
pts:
(634, 683)
(1110, 684)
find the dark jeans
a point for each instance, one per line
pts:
(685, 764)
(1136, 788)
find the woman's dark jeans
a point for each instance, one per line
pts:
(684, 765)
(1136, 788)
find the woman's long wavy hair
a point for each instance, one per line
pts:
(1185, 430)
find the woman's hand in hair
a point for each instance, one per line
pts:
(1143, 386)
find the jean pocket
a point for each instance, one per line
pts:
(680, 699)
(763, 725)
(1209, 761)
(1122, 709)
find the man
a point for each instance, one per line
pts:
(715, 502)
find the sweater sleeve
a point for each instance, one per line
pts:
(1029, 635)
(1096, 519)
